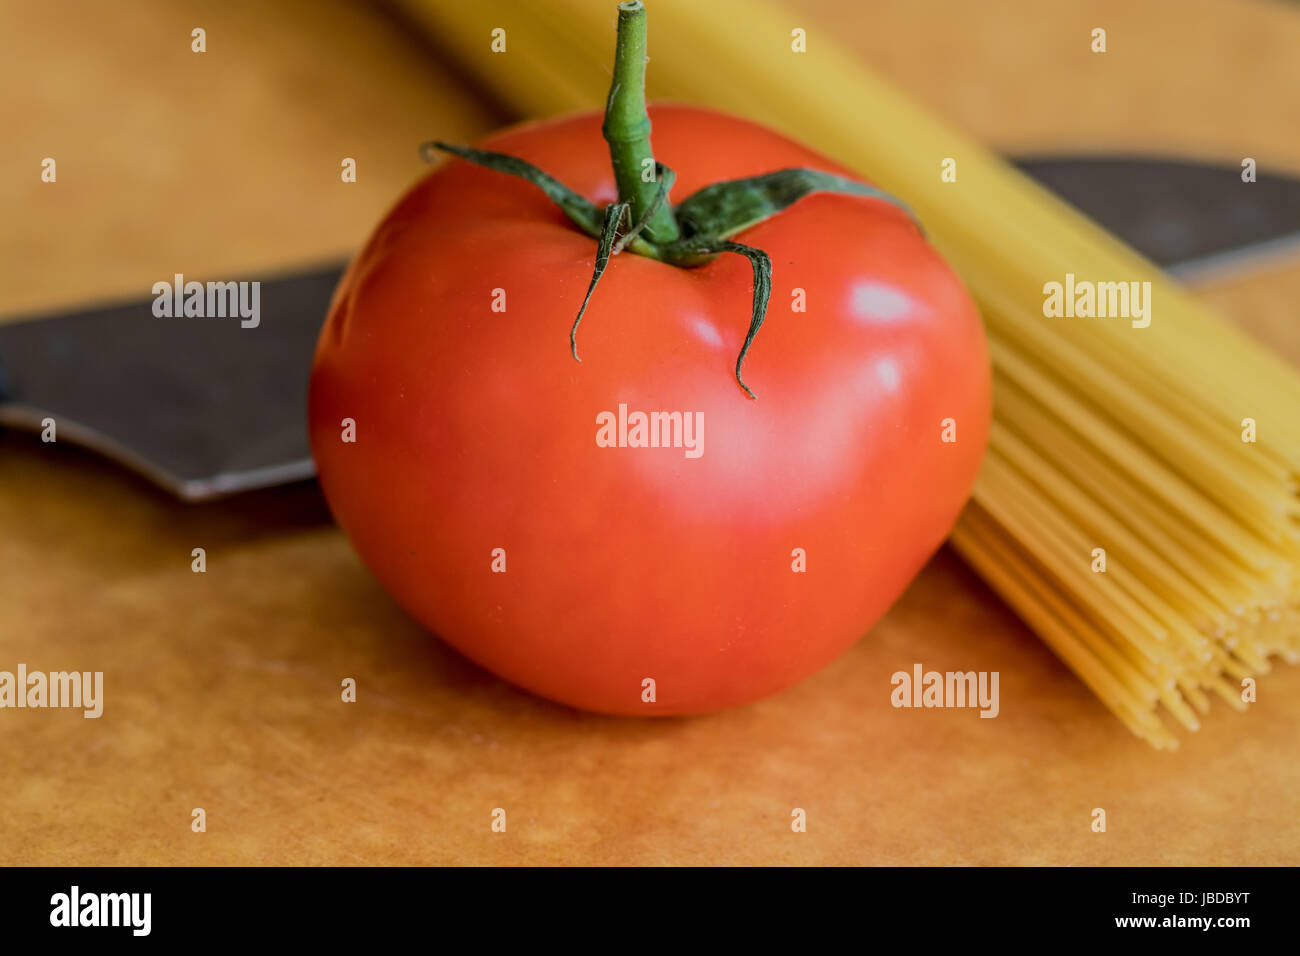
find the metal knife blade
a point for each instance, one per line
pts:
(1192, 219)
(200, 406)
(205, 408)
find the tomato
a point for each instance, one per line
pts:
(476, 490)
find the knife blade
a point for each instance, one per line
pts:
(201, 406)
(205, 408)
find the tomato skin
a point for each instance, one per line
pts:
(476, 429)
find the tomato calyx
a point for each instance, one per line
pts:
(690, 234)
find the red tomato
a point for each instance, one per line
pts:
(475, 429)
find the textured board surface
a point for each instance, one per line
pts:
(222, 689)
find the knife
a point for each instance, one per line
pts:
(204, 407)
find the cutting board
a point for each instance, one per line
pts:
(222, 689)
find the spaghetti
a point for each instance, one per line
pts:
(1108, 439)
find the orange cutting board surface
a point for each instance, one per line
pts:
(223, 689)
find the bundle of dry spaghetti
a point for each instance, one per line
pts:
(1111, 443)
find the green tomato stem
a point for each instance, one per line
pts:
(701, 226)
(627, 128)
